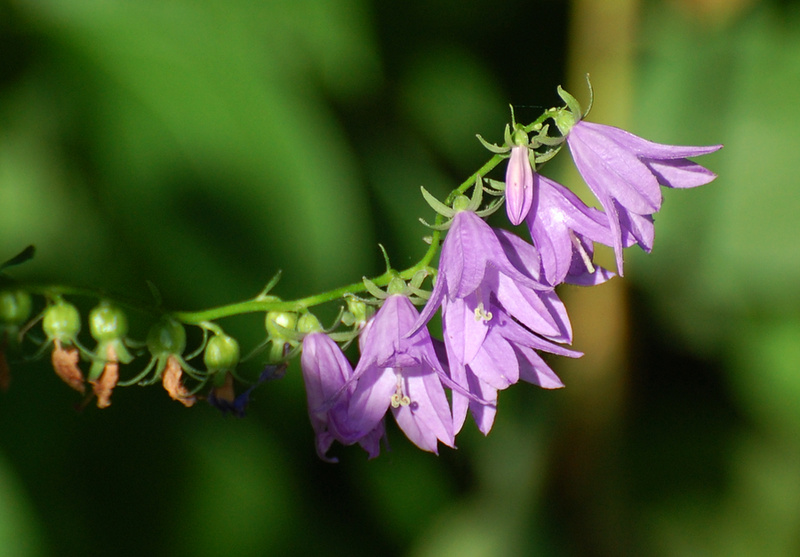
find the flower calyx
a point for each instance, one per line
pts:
(460, 203)
(571, 114)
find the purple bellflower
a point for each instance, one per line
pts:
(402, 372)
(472, 263)
(506, 355)
(495, 313)
(326, 373)
(520, 184)
(624, 171)
(563, 230)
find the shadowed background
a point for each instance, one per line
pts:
(204, 145)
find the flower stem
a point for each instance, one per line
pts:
(265, 303)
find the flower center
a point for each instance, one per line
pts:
(481, 314)
(399, 398)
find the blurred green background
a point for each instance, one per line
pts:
(203, 145)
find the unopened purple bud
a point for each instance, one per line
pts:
(519, 185)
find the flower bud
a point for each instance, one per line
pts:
(15, 307)
(519, 185)
(222, 353)
(283, 319)
(107, 322)
(357, 312)
(166, 337)
(308, 323)
(61, 322)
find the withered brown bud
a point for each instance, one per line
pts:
(225, 391)
(104, 384)
(171, 379)
(65, 362)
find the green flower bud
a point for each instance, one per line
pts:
(107, 322)
(166, 337)
(222, 353)
(15, 307)
(285, 319)
(61, 322)
(308, 323)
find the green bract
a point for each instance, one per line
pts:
(15, 306)
(107, 322)
(61, 322)
(166, 337)
(222, 353)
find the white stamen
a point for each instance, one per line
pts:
(481, 314)
(399, 398)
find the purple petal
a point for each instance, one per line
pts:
(533, 369)
(371, 398)
(679, 173)
(478, 245)
(385, 342)
(427, 419)
(458, 373)
(463, 332)
(612, 170)
(483, 414)
(496, 364)
(649, 149)
(542, 312)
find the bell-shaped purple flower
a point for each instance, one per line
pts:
(563, 230)
(475, 263)
(401, 372)
(327, 375)
(506, 355)
(520, 184)
(624, 171)
(471, 261)
(495, 314)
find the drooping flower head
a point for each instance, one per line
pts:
(401, 372)
(563, 230)
(327, 375)
(624, 172)
(495, 313)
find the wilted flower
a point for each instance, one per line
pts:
(624, 171)
(65, 363)
(224, 397)
(326, 373)
(104, 385)
(171, 380)
(401, 372)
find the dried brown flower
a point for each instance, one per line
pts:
(65, 362)
(104, 384)
(171, 379)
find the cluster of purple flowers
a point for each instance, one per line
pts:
(496, 294)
